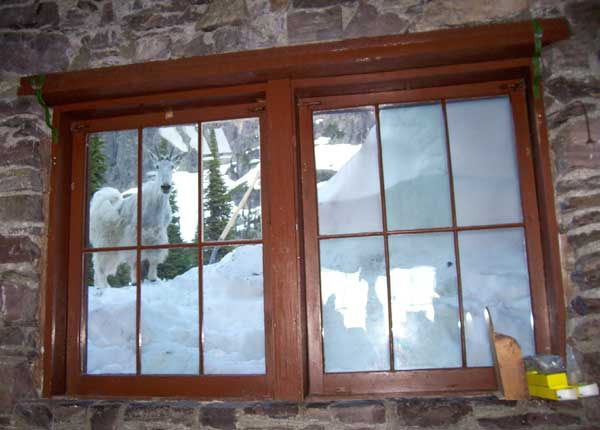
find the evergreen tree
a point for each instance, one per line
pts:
(216, 200)
(97, 164)
(179, 260)
(96, 177)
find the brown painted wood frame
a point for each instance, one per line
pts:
(278, 77)
(366, 55)
(199, 386)
(405, 382)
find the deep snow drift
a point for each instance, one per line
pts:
(232, 324)
(424, 291)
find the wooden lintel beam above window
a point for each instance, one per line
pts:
(377, 54)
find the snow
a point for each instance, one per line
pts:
(186, 185)
(425, 313)
(233, 323)
(333, 157)
(222, 143)
(173, 135)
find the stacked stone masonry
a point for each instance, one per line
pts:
(61, 35)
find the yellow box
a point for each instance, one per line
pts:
(564, 393)
(549, 380)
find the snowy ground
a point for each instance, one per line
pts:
(233, 328)
(425, 318)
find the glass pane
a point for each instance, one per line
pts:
(424, 301)
(170, 189)
(484, 161)
(111, 183)
(111, 310)
(231, 179)
(346, 160)
(233, 311)
(354, 300)
(169, 316)
(415, 167)
(493, 266)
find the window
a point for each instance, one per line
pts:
(169, 279)
(335, 228)
(419, 213)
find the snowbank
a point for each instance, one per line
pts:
(233, 324)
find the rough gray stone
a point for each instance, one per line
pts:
(585, 306)
(431, 412)
(20, 303)
(16, 249)
(108, 15)
(587, 218)
(220, 14)
(148, 19)
(33, 52)
(580, 202)
(583, 239)
(592, 408)
(532, 419)
(273, 410)
(104, 416)
(368, 22)
(72, 415)
(153, 48)
(587, 272)
(591, 365)
(278, 4)
(20, 105)
(24, 152)
(359, 412)
(584, 17)
(197, 47)
(24, 127)
(223, 418)
(316, 4)
(227, 39)
(34, 415)
(20, 180)
(162, 414)
(20, 208)
(311, 26)
(36, 15)
(444, 13)
(15, 383)
(18, 339)
(566, 89)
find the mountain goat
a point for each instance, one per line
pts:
(113, 223)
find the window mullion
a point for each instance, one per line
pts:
(199, 239)
(385, 239)
(463, 343)
(138, 265)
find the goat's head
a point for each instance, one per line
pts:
(165, 165)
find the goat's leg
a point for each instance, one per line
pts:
(132, 272)
(100, 276)
(152, 269)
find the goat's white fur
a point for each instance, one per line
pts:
(113, 223)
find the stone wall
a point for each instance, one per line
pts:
(59, 35)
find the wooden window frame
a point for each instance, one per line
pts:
(433, 380)
(140, 384)
(279, 78)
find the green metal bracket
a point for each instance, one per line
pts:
(538, 33)
(37, 85)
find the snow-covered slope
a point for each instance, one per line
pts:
(424, 288)
(232, 324)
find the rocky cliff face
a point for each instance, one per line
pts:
(51, 36)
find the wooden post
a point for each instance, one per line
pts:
(508, 364)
